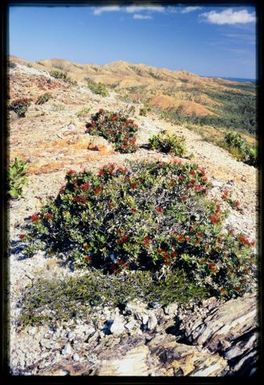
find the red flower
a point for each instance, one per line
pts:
(202, 170)
(236, 205)
(212, 267)
(180, 238)
(98, 190)
(146, 241)
(214, 218)
(35, 217)
(159, 209)
(123, 239)
(22, 236)
(174, 254)
(245, 240)
(85, 186)
(71, 172)
(134, 186)
(80, 199)
(48, 216)
(193, 173)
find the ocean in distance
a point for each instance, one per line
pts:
(240, 80)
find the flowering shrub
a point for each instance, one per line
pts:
(227, 196)
(20, 106)
(116, 128)
(150, 216)
(172, 144)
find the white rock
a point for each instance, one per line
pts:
(152, 322)
(76, 357)
(171, 309)
(130, 325)
(67, 350)
(117, 326)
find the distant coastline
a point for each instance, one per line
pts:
(240, 80)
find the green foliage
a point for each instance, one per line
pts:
(43, 98)
(20, 106)
(83, 112)
(62, 300)
(98, 88)
(149, 217)
(144, 110)
(60, 75)
(166, 143)
(239, 148)
(115, 127)
(236, 111)
(16, 178)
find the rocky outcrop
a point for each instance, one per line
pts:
(229, 329)
(211, 340)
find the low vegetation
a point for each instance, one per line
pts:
(83, 112)
(20, 106)
(152, 217)
(169, 144)
(115, 127)
(239, 148)
(43, 98)
(62, 300)
(60, 75)
(144, 110)
(16, 178)
(98, 88)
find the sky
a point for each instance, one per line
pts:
(208, 41)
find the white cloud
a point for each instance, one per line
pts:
(132, 9)
(137, 16)
(229, 16)
(135, 9)
(190, 9)
(99, 10)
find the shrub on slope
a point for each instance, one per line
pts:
(152, 217)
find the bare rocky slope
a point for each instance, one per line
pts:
(215, 339)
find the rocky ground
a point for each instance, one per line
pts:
(214, 339)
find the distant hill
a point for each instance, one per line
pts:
(178, 95)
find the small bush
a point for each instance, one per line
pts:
(239, 148)
(116, 128)
(62, 76)
(166, 143)
(20, 106)
(98, 88)
(150, 217)
(83, 112)
(62, 300)
(16, 178)
(43, 98)
(144, 110)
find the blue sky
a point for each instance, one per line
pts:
(209, 41)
